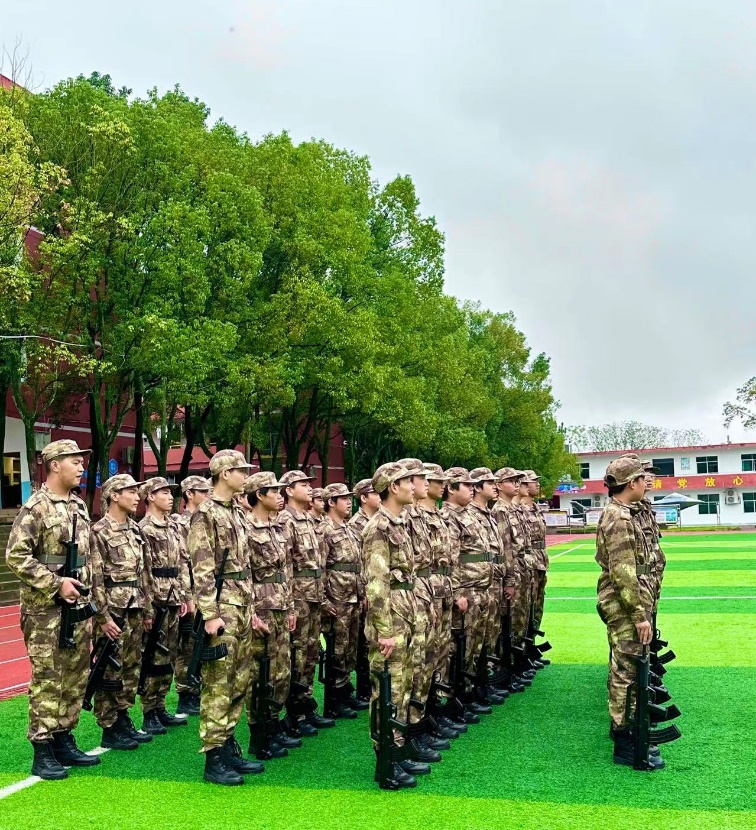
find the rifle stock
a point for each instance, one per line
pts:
(202, 651)
(104, 656)
(383, 724)
(70, 615)
(648, 714)
(154, 643)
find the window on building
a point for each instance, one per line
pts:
(585, 469)
(579, 506)
(749, 502)
(748, 460)
(706, 464)
(666, 466)
(710, 504)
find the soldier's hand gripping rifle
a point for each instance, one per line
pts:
(647, 715)
(70, 615)
(154, 643)
(383, 724)
(329, 672)
(104, 656)
(264, 706)
(202, 651)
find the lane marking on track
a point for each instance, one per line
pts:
(663, 599)
(35, 779)
(13, 660)
(569, 550)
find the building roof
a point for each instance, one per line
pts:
(657, 451)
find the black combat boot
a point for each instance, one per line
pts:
(188, 704)
(353, 700)
(66, 752)
(167, 719)
(624, 753)
(414, 767)
(274, 750)
(216, 771)
(399, 778)
(459, 726)
(113, 737)
(314, 719)
(478, 709)
(127, 726)
(279, 736)
(45, 764)
(151, 723)
(232, 757)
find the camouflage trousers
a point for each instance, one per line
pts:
(184, 648)
(307, 640)
(157, 688)
(346, 625)
(225, 682)
(58, 676)
(422, 670)
(280, 658)
(439, 652)
(400, 667)
(108, 704)
(495, 610)
(539, 595)
(476, 622)
(521, 603)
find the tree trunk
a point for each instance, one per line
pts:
(94, 432)
(138, 463)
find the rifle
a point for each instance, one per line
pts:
(202, 651)
(296, 702)
(647, 715)
(535, 651)
(383, 723)
(154, 643)
(364, 684)
(657, 644)
(263, 705)
(328, 671)
(69, 614)
(186, 622)
(104, 657)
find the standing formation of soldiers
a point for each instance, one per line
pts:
(435, 584)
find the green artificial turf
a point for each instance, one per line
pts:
(543, 760)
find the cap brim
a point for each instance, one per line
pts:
(64, 454)
(654, 470)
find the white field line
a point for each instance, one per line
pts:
(13, 660)
(8, 642)
(562, 553)
(663, 599)
(35, 779)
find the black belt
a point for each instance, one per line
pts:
(245, 573)
(402, 586)
(346, 567)
(423, 572)
(313, 573)
(167, 573)
(468, 558)
(444, 570)
(276, 578)
(128, 583)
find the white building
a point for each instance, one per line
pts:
(722, 476)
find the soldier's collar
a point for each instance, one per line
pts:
(117, 525)
(228, 504)
(54, 496)
(154, 519)
(397, 520)
(297, 514)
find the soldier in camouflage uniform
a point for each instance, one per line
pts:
(194, 489)
(514, 542)
(471, 577)
(274, 605)
(625, 596)
(537, 532)
(345, 588)
(306, 561)
(317, 508)
(35, 554)
(390, 580)
(218, 530)
(368, 503)
(121, 588)
(170, 589)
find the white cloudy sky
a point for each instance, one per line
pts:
(591, 163)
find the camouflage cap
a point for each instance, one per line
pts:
(622, 470)
(648, 466)
(530, 476)
(480, 474)
(435, 473)
(415, 465)
(196, 483)
(336, 491)
(362, 488)
(155, 483)
(458, 475)
(228, 460)
(506, 473)
(120, 482)
(293, 476)
(57, 449)
(317, 492)
(257, 481)
(387, 474)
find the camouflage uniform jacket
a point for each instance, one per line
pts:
(622, 553)
(344, 583)
(35, 551)
(216, 526)
(389, 562)
(271, 575)
(522, 518)
(467, 542)
(166, 549)
(441, 551)
(537, 529)
(512, 540)
(118, 556)
(647, 519)
(182, 522)
(490, 530)
(422, 551)
(304, 551)
(358, 523)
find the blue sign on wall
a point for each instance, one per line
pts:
(113, 467)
